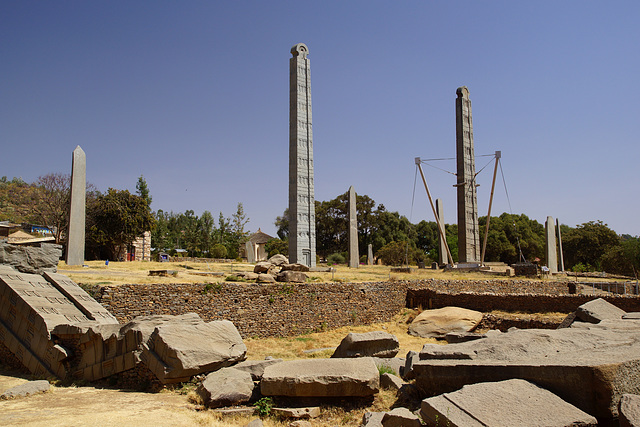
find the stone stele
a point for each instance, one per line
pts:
(468, 232)
(75, 241)
(354, 254)
(302, 214)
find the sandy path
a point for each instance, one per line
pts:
(88, 406)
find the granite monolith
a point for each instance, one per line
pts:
(302, 229)
(75, 235)
(354, 255)
(552, 252)
(468, 231)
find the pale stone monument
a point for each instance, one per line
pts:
(442, 247)
(75, 235)
(560, 246)
(354, 255)
(552, 253)
(251, 255)
(370, 254)
(468, 231)
(302, 216)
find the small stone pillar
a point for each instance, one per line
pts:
(354, 254)
(370, 254)
(552, 254)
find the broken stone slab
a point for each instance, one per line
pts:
(632, 316)
(368, 344)
(178, 351)
(31, 259)
(396, 364)
(372, 419)
(458, 337)
(291, 276)
(588, 365)
(26, 389)
(513, 402)
(265, 278)
(410, 359)
(441, 321)
(391, 381)
(357, 377)
(629, 410)
(400, 417)
(297, 413)
(295, 267)
(256, 367)
(278, 259)
(263, 267)
(226, 387)
(597, 310)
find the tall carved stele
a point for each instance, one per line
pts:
(302, 216)
(77, 208)
(468, 232)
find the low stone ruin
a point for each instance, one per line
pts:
(277, 269)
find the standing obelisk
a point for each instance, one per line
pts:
(468, 232)
(75, 234)
(354, 254)
(302, 216)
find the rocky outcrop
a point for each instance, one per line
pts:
(31, 259)
(321, 378)
(506, 403)
(368, 344)
(278, 259)
(439, 322)
(226, 387)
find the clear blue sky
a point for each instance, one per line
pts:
(194, 96)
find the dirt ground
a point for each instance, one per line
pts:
(90, 406)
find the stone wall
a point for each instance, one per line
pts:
(261, 310)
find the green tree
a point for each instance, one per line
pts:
(588, 243)
(142, 190)
(277, 246)
(239, 220)
(206, 226)
(117, 218)
(400, 253)
(282, 225)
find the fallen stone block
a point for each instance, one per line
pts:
(597, 310)
(265, 278)
(506, 403)
(186, 350)
(278, 259)
(368, 344)
(410, 359)
(294, 267)
(439, 322)
(263, 267)
(400, 417)
(396, 364)
(226, 387)
(31, 259)
(372, 419)
(458, 337)
(298, 413)
(26, 389)
(588, 365)
(291, 276)
(255, 367)
(321, 378)
(391, 382)
(629, 410)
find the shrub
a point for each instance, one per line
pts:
(336, 258)
(219, 251)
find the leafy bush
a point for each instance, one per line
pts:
(264, 406)
(277, 246)
(336, 258)
(219, 251)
